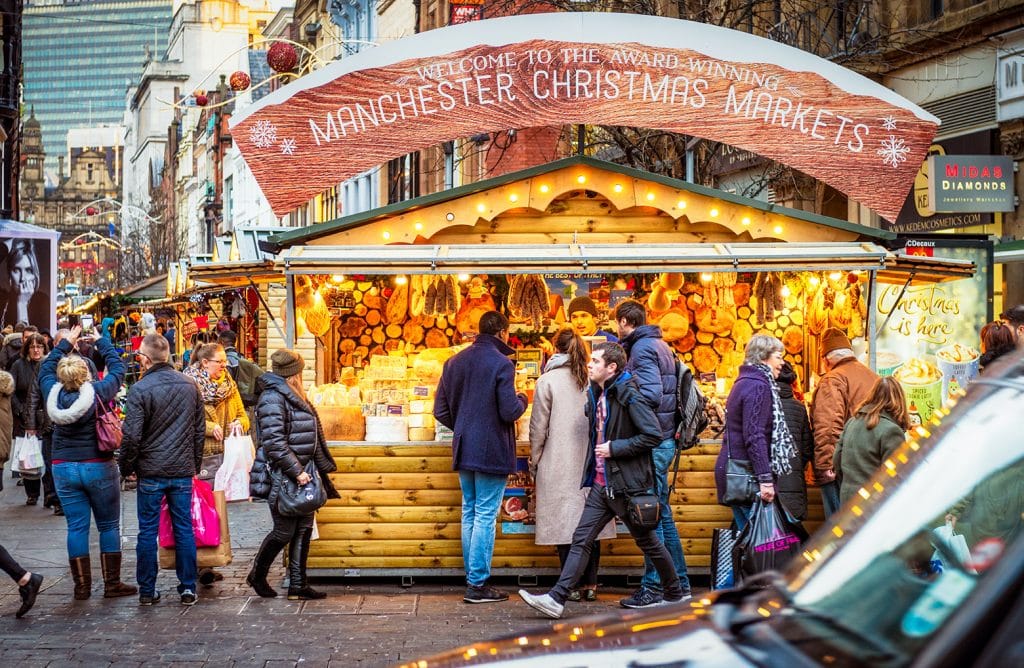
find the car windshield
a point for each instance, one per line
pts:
(913, 543)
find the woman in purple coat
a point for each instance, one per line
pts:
(755, 423)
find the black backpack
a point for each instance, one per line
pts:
(691, 408)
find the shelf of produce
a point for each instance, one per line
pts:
(400, 507)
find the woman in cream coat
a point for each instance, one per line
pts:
(558, 453)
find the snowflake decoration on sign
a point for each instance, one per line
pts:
(889, 123)
(263, 134)
(288, 147)
(894, 151)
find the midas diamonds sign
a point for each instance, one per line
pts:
(607, 69)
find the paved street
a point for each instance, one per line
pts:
(361, 623)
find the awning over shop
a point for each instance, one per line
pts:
(1012, 251)
(586, 258)
(917, 269)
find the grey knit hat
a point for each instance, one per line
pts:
(286, 363)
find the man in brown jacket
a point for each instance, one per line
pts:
(840, 391)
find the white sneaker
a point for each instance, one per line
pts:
(543, 604)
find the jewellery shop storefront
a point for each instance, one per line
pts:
(391, 294)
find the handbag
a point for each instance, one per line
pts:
(108, 428)
(643, 511)
(740, 483)
(722, 543)
(27, 457)
(297, 500)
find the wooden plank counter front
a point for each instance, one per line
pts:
(400, 506)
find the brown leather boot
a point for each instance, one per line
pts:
(112, 585)
(81, 573)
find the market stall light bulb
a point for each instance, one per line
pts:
(706, 277)
(449, 216)
(513, 197)
(681, 204)
(713, 213)
(418, 227)
(785, 291)
(581, 179)
(617, 187)
(401, 280)
(386, 235)
(814, 281)
(463, 278)
(545, 188)
(746, 220)
(480, 208)
(777, 229)
(835, 275)
(650, 197)
(338, 278)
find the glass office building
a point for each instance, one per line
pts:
(81, 56)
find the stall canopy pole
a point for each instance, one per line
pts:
(872, 287)
(896, 303)
(266, 307)
(289, 323)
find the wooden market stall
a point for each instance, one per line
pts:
(390, 294)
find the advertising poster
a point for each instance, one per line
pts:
(28, 275)
(518, 514)
(929, 338)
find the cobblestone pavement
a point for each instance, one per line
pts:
(361, 623)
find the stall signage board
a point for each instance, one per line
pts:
(599, 68)
(928, 322)
(969, 183)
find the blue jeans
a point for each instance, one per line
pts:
(178, 492)
(86, 489)
(830, 498)
(666, 530)
(741, 514)
(481, 498)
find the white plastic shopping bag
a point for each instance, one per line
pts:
(233, 475)
(28, 456)
(953, 544)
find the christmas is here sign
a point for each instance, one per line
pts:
(606, 69)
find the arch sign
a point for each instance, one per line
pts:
(597, 68)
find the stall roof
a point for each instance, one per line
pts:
(918, 269)
(1012, 251)
(305, 235)
(234, 274)
(596, 258)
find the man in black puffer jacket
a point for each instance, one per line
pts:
(164, 432)
(623, 431)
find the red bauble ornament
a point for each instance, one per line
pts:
(90, 211)
(851, 278)
(239, 81)
(282, 57)
(201, 100)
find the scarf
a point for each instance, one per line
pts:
(782, 446)
(212, 391)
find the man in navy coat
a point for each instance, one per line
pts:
(477, 400)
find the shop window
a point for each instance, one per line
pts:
(404, 178)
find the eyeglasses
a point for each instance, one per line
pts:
(220, 362)
(138, 354)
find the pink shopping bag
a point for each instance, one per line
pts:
(205, 520)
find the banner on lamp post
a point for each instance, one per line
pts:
(608, 69)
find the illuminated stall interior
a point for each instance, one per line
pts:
(392, 293)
